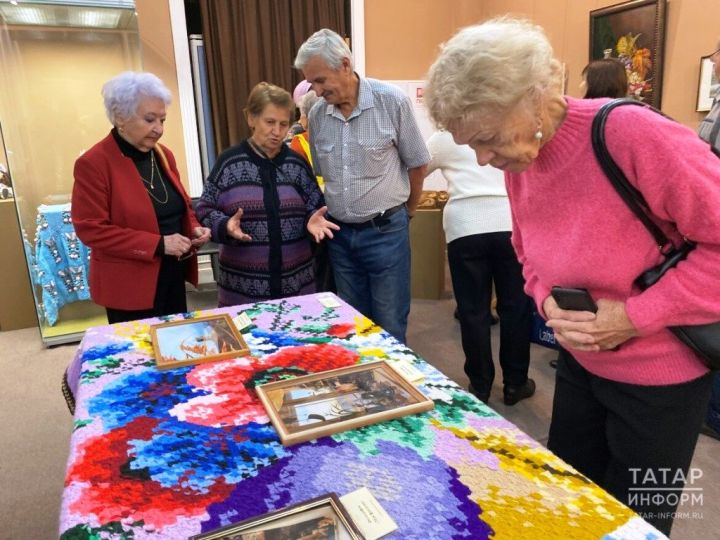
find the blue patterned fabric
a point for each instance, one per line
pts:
(61, 261)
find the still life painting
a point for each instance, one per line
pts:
(633, 33)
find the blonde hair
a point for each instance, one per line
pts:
(264, 93)
(492, 66)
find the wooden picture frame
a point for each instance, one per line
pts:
(320, 404)
(634, 33)
(295, 521)
(194, 341)
(707, 85)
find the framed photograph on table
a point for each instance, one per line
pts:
(324, 403)
(707, 85)
(194, 341)
(634, 33)
(321, 518)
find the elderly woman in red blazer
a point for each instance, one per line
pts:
(129, 207)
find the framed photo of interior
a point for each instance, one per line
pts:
(707, 85)
(321, 404)
(634, 33)
(320, 518)
(194, 341)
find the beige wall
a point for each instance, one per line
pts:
(402, 36)
(158, 57)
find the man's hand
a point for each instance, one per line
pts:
(201, 236)
(319, 227)
(176, 244)
(234, 229)
(587, 331)
(417, 177)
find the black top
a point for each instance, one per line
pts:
(169, 205)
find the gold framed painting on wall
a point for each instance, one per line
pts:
(633, 32)
(707, 85)
(321, 404)
(194, 341)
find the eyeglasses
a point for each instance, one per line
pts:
(187, 255)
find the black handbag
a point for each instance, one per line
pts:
(704, 339)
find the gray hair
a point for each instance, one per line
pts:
(123, 92)
(307, 102)
(326, 44)
(492, 66)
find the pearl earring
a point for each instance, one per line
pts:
(538, 134)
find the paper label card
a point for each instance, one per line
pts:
(367, 514)
(242, 321)
(329, 300)
(407, 370)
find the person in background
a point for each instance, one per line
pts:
(129, 207)
(604, 78)
(366, 145)
(629, 396)
(300, 143)
(257, 201)
(709, 131)
(477, 227)
(299, 126)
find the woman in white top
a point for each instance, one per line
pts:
(477, 227)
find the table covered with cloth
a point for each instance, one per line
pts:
(168, 454)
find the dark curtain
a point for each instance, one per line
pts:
(248, 41)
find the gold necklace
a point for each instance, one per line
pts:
(151, 183)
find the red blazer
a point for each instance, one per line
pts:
(113, 215)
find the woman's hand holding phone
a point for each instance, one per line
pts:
(584, 330)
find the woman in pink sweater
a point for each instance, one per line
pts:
(629, 397)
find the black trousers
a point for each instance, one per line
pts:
(634, 441)
(476, 261)
(169, 295)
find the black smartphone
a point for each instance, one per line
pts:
(574, 298)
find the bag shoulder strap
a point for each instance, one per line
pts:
(631, 195)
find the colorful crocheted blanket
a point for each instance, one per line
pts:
(168, 454)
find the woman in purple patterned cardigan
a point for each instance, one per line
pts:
(257, 202)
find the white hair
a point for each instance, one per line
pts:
(326, 44)
(123, 92)
(307, 102)
(492, 66)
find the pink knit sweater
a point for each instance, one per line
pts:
(570, 228)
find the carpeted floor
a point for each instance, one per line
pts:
(36, 425)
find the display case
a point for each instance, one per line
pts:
(54, 59)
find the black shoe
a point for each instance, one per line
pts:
(481, 396)
(513, 394)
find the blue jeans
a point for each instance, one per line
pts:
(713, 413)
(372, 271)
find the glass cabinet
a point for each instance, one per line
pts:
(54, 58)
